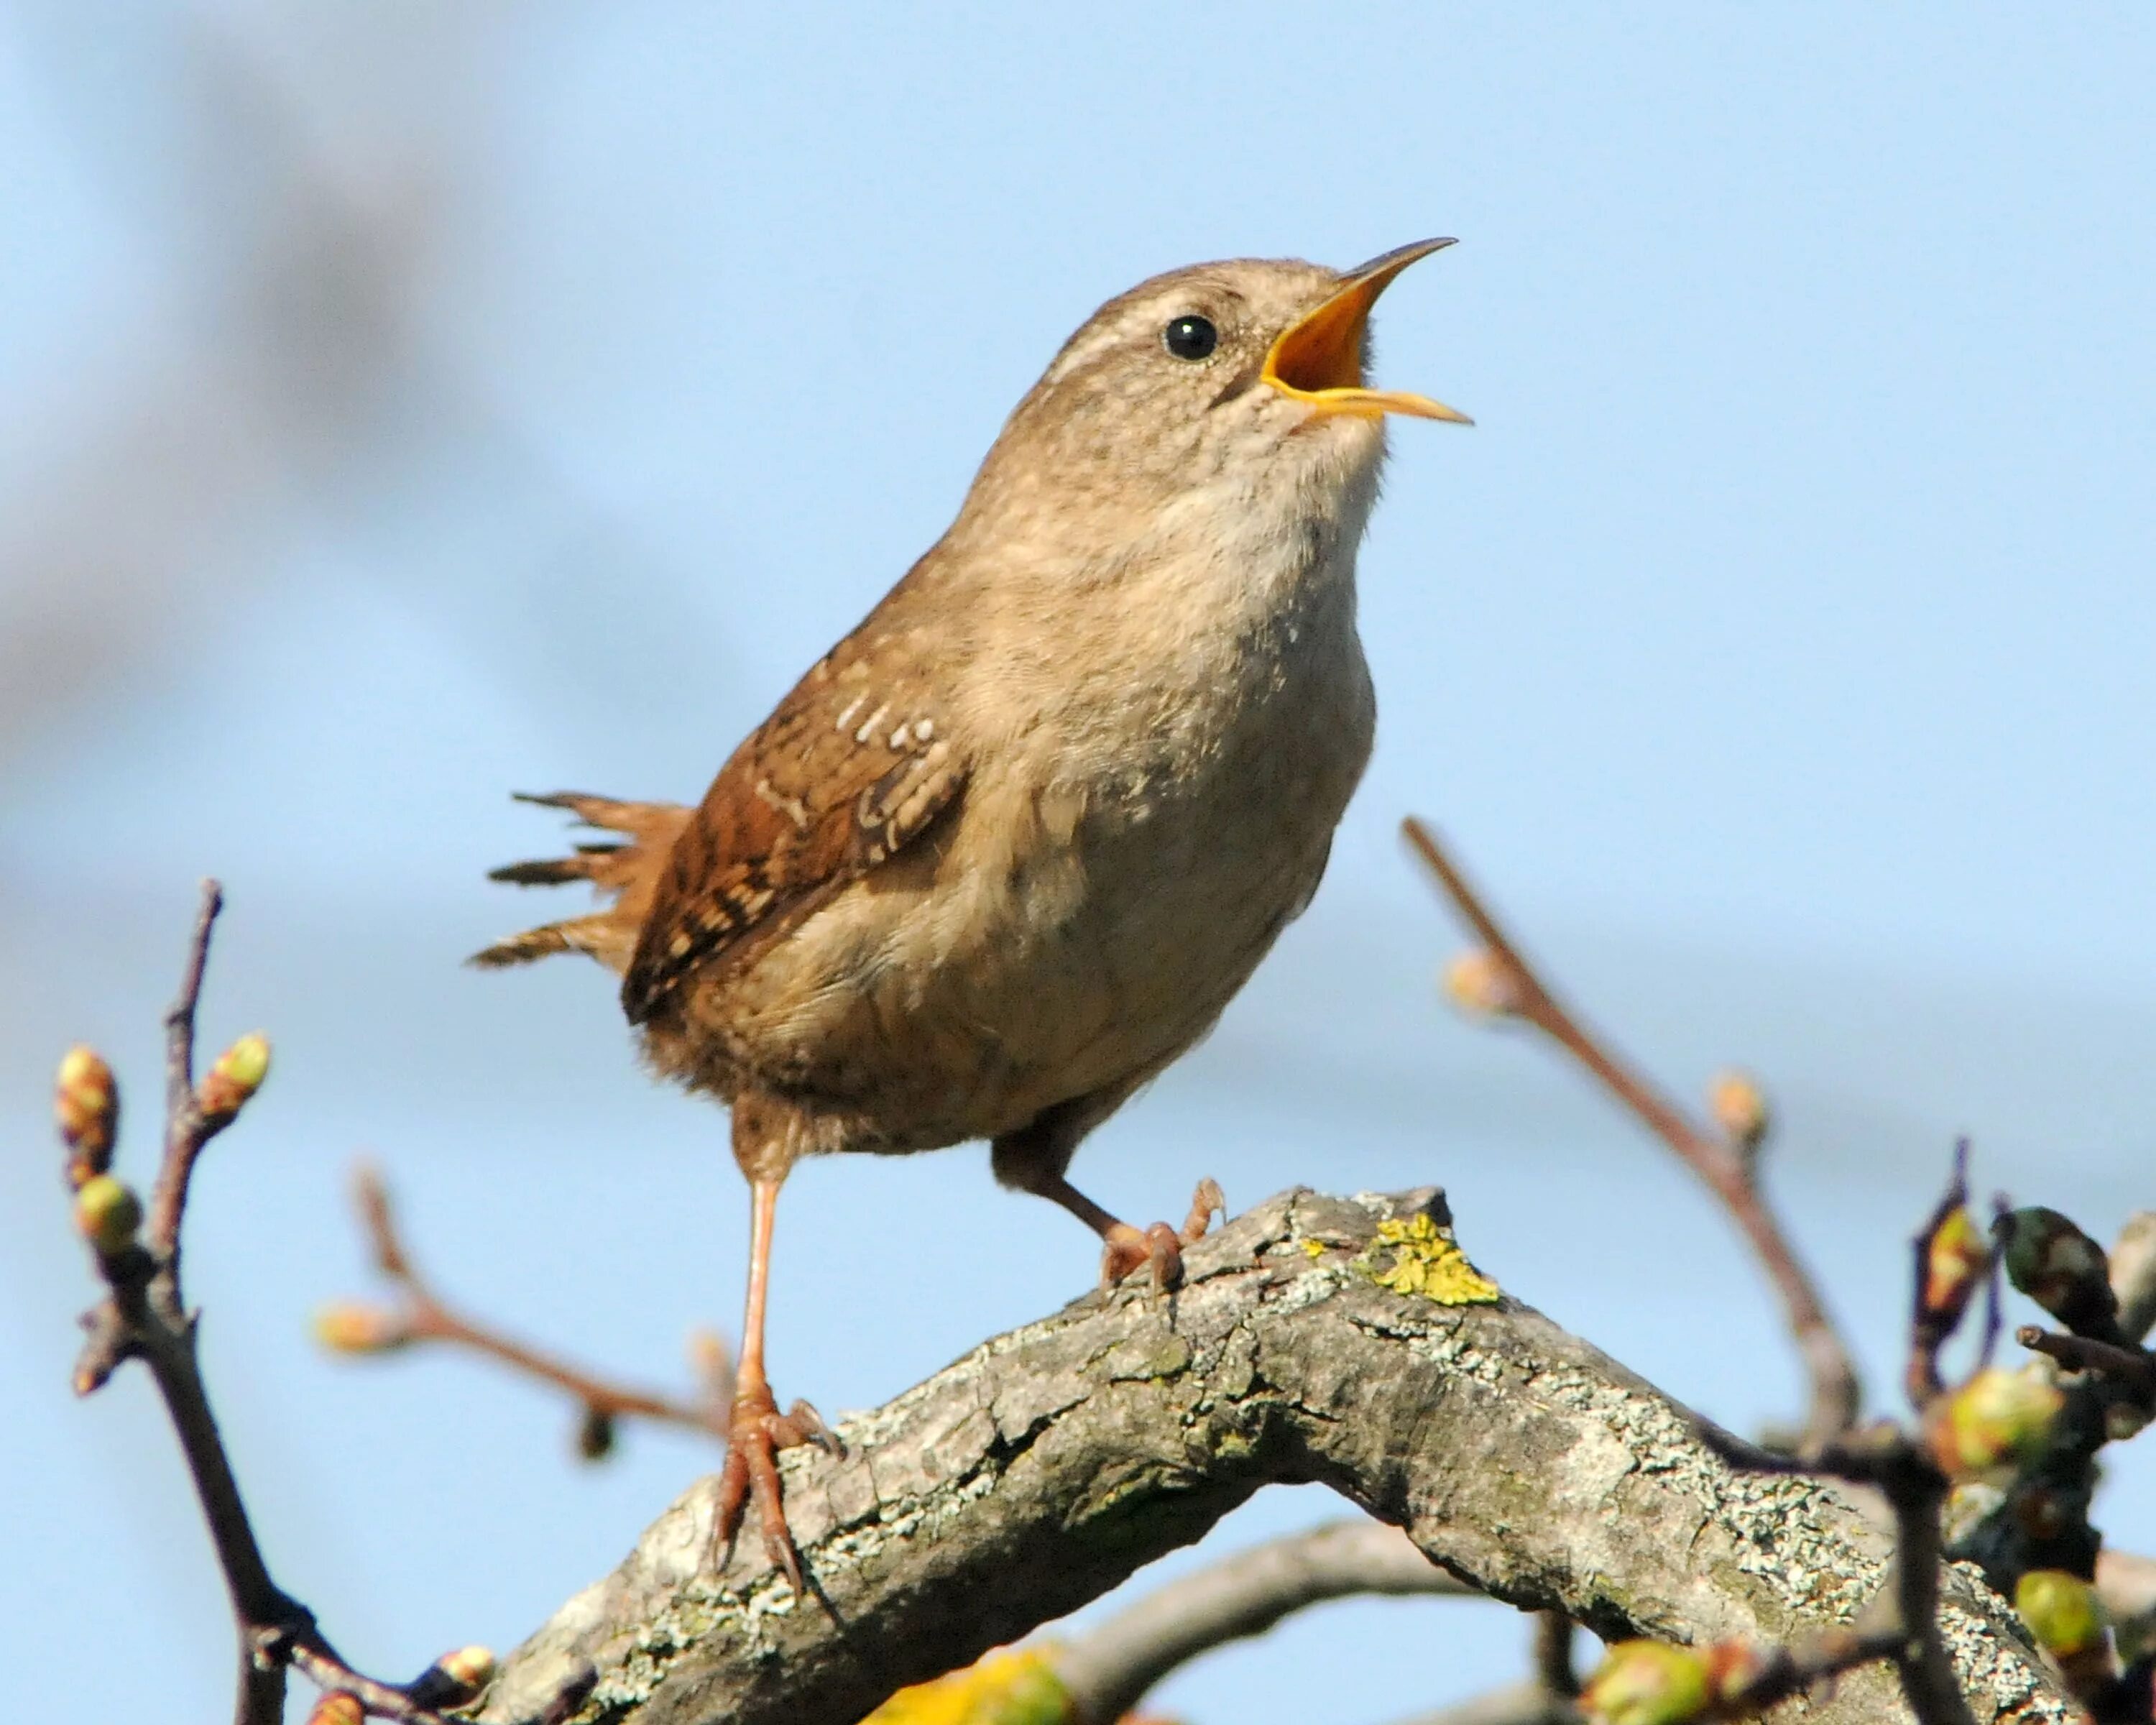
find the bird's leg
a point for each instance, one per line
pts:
(757, 1431)
(1032, 1159)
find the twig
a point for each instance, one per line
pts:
(1917, 1491)
(1526, 1702)
(186, 1129)
(2133, 1367)
(423, 1316)
(1952, 1261)
(1108, 1671)
(144, 1316)
(1835, 1392)
(1554, 1637)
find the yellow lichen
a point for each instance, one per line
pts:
(1017, 1686)
(1315, 1248)
(1426, 1260)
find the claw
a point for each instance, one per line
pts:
(803, 1424)
(1207, 1202)
(755, 1435)
(1128, 1249)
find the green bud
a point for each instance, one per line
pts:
(1647, 1683)
(107, 1213)
(2062, 1611)
(1999, 1418)
(237, 1076)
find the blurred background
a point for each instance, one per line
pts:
(409, 404)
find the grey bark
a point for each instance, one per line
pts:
(1043, 1467)
(1109, 1669)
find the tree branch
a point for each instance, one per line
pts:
(1725, 1167)
(1109, 1669)
(144, 1316)
(1051, 1462)
(422, 1315)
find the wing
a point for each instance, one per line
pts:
(855, 763)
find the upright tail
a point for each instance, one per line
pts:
(627, 871)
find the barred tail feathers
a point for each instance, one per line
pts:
(627, 871)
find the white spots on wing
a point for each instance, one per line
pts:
(870, 724)
(902, 736)
(792, 807)
(846, 717)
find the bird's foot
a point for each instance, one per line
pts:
(755, 1434)
(1129, 1249)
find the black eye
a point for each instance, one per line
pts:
(1190, 337)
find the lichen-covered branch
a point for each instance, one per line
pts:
(1051, 1462)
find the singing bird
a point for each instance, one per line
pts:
(1012, 846)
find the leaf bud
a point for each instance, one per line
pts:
(1998, 1419)
(340, 1707)
(1739, 1107)
(346, 1326)
(1954, 1260)
(455, 1680)
(86, 1108)
(107, 1213)
(237, 1076)
(1647, 1683)
(2062, 1611)
(1481, 984)
(1732, 1667)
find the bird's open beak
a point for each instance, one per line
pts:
(1318, 359)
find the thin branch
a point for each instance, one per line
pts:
(422, 1315)
(1526, 1702)
(383, 1701)
(2133, 1367)
(1835, 1392)
(1918, 1493)
(186, 1130)
(1952, 1262)
(143, 1316)
(1554, 1636)
(1108, 1671)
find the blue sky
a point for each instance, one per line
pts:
(1775, 648)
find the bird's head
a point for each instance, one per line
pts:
(1228, 385)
